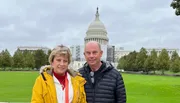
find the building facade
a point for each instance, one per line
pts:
(110, 53)
(77, 52)
(158, 50)
(120, 52)
(97, 31)
(33, 48)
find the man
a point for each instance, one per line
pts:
(104, 83)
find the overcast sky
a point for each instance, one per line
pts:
(131, 24)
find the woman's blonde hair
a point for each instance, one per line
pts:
(60, 50)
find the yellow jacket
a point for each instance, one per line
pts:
(44, 90)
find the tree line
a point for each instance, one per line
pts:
(175, 4)
(142, 61)
(23, 60)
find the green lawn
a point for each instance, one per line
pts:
(152, 89)
(17, 87)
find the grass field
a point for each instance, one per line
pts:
(152, 89)
(17, 87)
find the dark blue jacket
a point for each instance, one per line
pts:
(108, 87)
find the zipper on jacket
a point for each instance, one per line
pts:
(92, 85)
(93, 94)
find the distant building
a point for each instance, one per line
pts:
(120, 52)
(97, 31)
(77, 52)
(33, 48)
(77, 64)
(158, 50)
(111, 53)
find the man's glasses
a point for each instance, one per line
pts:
(92, 76)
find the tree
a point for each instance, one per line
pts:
(148, 64)
(40, 58)
(140, 59)
(131, 59)
(1, 59)
(175, 66)
(18, 59)
(154, 59)
(6, 59)
(176, 5)
(29, 59)
(174, 56)
(122, 64)
(49, 52)
(163, 61)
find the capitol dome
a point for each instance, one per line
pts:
(97, 31)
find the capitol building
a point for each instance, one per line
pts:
(97, 32)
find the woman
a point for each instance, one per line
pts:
(57, 83)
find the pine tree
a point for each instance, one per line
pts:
(163, 61)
